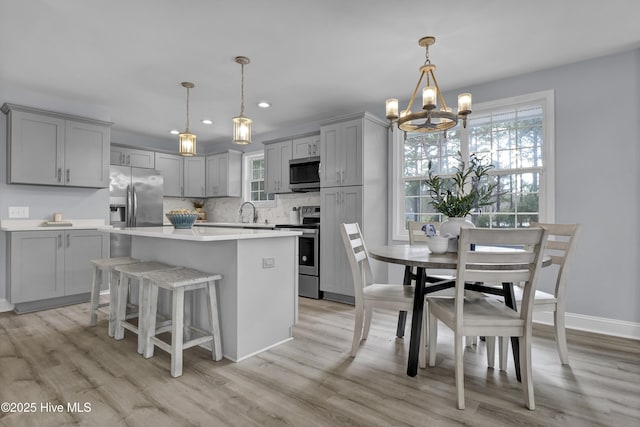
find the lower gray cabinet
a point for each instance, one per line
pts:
(50, 264)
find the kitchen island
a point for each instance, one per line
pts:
(257, 295)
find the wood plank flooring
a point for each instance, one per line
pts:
(53, 357)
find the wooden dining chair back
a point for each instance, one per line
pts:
(560, 247)
(488, 316)
(369, 295)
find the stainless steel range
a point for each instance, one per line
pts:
(308, 251)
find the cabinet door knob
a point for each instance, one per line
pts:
(60, 240)
(68, 175)
(68, 240)
(59, 174)
(128, 159)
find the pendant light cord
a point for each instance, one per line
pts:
(187, 110)
(242, 92)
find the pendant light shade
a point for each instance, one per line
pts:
(187, 140)
(242, 124)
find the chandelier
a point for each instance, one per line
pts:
(242, 124)
(431, 118)
(187, 140)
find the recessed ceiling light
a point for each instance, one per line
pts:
(174, 132)
(264, 104)
(207, 121)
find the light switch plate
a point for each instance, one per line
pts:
(268, 262)
(18, 211)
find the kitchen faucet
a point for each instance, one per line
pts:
(255, 214)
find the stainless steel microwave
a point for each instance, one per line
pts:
(304, 174)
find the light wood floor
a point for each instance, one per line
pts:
(54, 357)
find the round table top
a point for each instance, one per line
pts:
(415, 256)
(419, 256)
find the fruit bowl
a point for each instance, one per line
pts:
(182, 220)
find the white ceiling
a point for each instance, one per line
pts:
(312, 59)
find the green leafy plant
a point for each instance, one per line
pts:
(470, 188)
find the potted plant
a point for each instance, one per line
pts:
(469, 188)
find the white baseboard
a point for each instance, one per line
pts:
(5, 305)
(599, 325)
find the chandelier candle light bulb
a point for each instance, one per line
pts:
(429, 97)
(392, 109)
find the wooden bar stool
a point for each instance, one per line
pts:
(178, 282)
(99, 266)
(127, 273)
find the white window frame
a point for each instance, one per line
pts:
(547, 182)
(247, 159)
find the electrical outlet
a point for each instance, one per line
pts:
(268, 262)
(18, 211)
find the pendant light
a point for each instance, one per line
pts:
(242, 124)
(187, 140)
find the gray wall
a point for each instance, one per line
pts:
(597, 174)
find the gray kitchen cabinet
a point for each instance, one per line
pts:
(49, 148)
(125, 156)
(52, 264)
(224, 174)
(276, 166)
(172, 168)
(304, 147)
(338, 205)
(341, 154)
(194, 177)
(353, 188)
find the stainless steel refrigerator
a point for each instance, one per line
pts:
(135, 201)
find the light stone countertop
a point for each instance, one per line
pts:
(236, 224)
(202, 234)
(39, 225)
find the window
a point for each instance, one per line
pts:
(515, 135)
(254, 185)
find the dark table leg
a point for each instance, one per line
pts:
(416, 324)
(402, 316)
(510, 301)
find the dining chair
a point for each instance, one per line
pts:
(560, 247)
(369, 295)
(487, 316)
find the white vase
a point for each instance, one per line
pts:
(452, 226)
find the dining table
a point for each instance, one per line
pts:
(419, 257)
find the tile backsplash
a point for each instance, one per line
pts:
(226, 209)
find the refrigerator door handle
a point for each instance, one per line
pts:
(135, 206)
(128, 207)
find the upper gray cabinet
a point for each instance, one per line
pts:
(276, 166)
(50, 148)
(125, 156)
(172, 168)
(308, 146)
(224, 174)
(194, 176)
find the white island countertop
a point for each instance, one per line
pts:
(202, 234)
